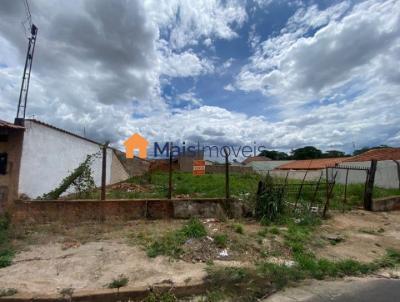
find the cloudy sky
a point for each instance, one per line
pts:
(282, 73)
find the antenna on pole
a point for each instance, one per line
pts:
(23, 94)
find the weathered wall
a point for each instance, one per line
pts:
(49, 155)
(385, 177)
(72, 211)
(118, 172)
(134, 166)
(186, 161)
(9, 181)
(264, 166)
(232, 169)
(391, 203)
(386, 174)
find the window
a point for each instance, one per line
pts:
(3, 163)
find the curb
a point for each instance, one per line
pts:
(111, 295)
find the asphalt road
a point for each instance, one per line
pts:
(384, 290)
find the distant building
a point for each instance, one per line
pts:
(311, 164)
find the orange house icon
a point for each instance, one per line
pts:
(136, 142)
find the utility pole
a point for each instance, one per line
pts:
(23, 94)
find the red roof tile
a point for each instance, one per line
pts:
(4, 124)
(377, 154)
(311, 164)
(255, 158)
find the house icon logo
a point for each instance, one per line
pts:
(136, 142)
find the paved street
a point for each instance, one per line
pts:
(358, 290)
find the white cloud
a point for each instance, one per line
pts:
(188, 21)
(97, 63)
(346, 48)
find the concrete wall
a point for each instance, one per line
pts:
(386, 174)
(49, 155)
(232, 169)
(264, 166)
(9, 181)
(118, 172)
(134, 166)
(73, 211)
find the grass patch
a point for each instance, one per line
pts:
(170, 244)
(250, 284)
(209, 185)
(119, 282)
(6, 250)
(221, 240)
(238, 228)
(162, 297)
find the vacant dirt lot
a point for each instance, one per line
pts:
(89, 256)
(361, 235)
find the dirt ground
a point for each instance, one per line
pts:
(89, 256)
(360, 235)
(50, 268)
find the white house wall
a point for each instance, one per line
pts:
(265, 166)
(49, 155)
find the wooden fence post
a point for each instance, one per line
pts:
(369, 189)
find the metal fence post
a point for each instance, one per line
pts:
(370, 186)
(170, 172)
(104, 171)
(227, 190)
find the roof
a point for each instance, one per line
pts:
(4, 124)
(255, 158)
(311, 164)
(376, 154)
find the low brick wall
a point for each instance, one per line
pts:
(391, 203)
(40, 211)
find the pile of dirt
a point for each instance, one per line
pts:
(129, 187)
(205, 250)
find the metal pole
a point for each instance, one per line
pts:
(370, 186)
(104, 171)
(227, 193)
(170, 172)
(345, 189)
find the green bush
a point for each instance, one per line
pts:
(194, 229)
(221, 240)
(269, 202)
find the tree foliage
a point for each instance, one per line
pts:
(308, 152)
(274, 155)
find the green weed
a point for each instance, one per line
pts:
(221, 240)
(119, 282)
(170, 244)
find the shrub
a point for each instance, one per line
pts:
(194, 229)
(221, 240)
(269, 203)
